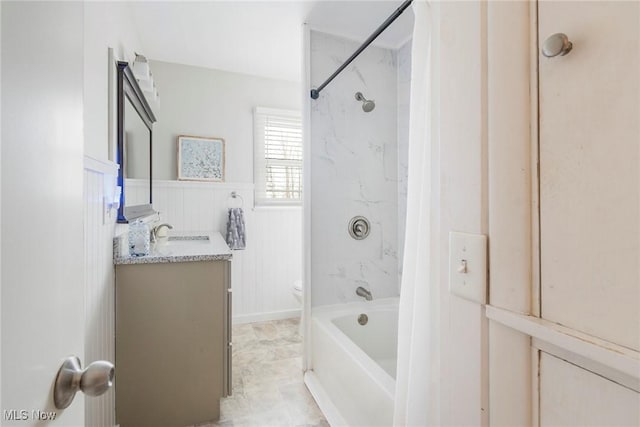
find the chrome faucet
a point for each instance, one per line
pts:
(362, 292)
(154, 231)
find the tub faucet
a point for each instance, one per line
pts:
(362, 292)
(156, 229)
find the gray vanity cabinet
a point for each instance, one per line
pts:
(172, 342)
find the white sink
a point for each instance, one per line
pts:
(181, 243)
(188, 239)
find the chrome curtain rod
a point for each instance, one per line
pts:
(315, 93)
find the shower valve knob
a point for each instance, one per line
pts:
(359, 227)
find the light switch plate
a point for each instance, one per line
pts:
(468, 266)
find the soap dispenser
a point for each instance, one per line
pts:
(139, 238)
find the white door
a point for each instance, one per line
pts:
(41, 169)
(589, 169)
(590, 201)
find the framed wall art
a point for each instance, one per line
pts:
(200, 158)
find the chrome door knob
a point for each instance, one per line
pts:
(95, 380)
(556, 44)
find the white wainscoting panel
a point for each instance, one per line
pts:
(99, 287)
(573, 396)
(262, 275)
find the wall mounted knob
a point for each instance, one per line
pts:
(556, 44)
(94, 380)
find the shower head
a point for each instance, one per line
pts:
(367, 104)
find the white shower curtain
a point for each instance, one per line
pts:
(416, 399)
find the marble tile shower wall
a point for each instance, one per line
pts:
(354, 171)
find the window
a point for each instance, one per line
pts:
(278, 157)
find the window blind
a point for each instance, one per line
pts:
(278, 156)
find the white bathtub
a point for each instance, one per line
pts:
(354, 366)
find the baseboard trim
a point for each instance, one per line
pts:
(264, 317)
(323, 400)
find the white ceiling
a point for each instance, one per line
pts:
(262, 38)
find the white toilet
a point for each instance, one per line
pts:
(296, 289)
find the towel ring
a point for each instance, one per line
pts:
(235, 195)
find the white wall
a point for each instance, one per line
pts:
(205, 102)
(107, 25)
(354, 171)
(462, 205)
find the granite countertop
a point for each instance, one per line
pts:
(177, 247)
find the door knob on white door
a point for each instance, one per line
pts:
(94, 380)
(556, 44)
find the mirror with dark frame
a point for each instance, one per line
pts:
(135, 142)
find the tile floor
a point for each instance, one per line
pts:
(267, 379)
